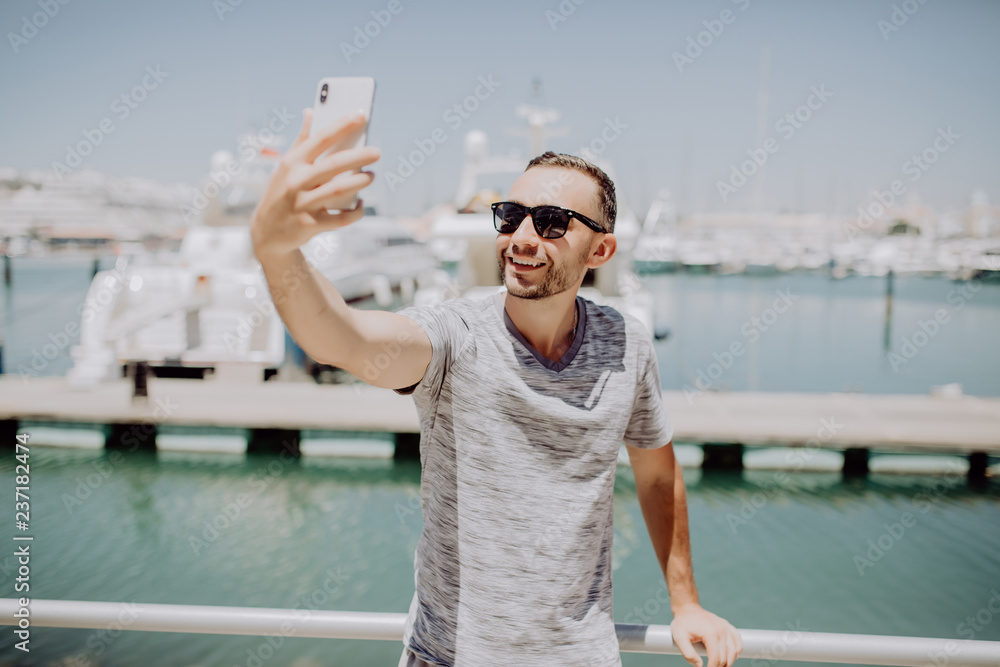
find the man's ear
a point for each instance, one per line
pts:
(604, 251)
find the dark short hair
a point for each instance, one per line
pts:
(606, 200)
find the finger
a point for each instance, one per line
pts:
(737, 641)
(715, 647)
(327, 167)
(687, 650)
(339, 134)
(304, 132)
(337, 190)
(326, 222)
(727, 651)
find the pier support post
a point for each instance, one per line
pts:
(978, 462)
(407, 446)
(855, 462)
(274, 441)
(139, 372)
(133, 437)
(8, 431)
(722, 456)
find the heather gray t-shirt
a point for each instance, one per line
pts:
(518, 455)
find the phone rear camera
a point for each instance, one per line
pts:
(323, 92)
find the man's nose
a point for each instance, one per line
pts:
(525, 234)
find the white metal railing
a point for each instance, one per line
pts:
(757, 644)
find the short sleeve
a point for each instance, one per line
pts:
(649, 426)
(448, 332)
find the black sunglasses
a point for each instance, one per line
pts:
(550, 222)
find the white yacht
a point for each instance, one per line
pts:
(206, 310)
(656, 248)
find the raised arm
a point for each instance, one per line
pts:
(292, 211)
(660, 487)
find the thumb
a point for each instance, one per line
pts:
(687, 650)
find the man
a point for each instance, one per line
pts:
(524, 399)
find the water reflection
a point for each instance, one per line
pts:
(769, 548)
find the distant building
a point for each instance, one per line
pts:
(88, 208)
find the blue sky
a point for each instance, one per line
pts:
(684, 130)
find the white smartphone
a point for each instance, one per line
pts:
(337, 97)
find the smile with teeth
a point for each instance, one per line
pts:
(527, 263)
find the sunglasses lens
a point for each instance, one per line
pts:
(508, 217)
(552, 221)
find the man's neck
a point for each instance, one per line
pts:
(547, 324)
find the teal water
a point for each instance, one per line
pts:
(142, 534)
(768, 551)
(831, 337)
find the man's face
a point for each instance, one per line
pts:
(561, 262)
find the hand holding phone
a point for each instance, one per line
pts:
(337, 97)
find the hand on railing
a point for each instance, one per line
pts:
(692, 623)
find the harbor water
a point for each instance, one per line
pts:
(887, 554)
(797, 332)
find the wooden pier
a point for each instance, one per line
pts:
(724, 423)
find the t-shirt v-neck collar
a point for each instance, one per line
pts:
(568, 356)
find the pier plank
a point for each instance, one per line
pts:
(905, 423)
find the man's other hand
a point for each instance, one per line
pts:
(722, 641)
